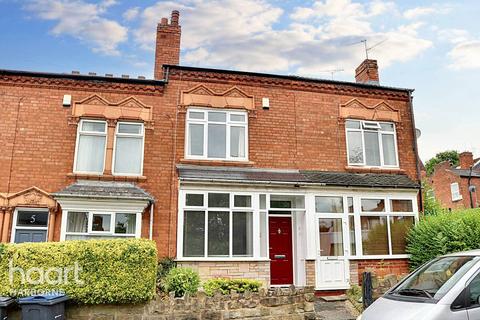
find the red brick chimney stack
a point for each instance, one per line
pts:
(367, 72)
(466, 160)
(167, 46)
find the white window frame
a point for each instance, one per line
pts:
(456, 195)
(90, 133)
(205, 123)
(369, 126)
(129, 135)
(15, 217)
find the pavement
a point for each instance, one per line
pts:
(335, 308)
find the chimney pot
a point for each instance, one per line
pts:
(175, 18)
(367, 72)
(466, 160)
(164, 22)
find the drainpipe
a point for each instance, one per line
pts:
(415, 149)
(151, 222)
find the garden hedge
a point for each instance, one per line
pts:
(444, 233)
(110, 271)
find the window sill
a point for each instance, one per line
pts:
(360, 169)
(106, 177)
(219, 163)
(457, 199)
(222, 259)
(380, 257)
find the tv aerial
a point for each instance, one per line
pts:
(367, 48)
(332, 71)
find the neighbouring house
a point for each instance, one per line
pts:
(456, 187)
(285, 179)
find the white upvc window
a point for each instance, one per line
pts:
(216, 134)
(371, 144)
(84, 224)
(91, 147)
(455, 191)
(128, 150)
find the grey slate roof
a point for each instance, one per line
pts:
(104, 190)
(269, 176)
(465, 172)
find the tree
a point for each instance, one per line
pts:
(431, 206)
(450, 156)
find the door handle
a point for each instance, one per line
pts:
(280, 256)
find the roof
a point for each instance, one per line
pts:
(465, 172)
(289, 77)
(309, 177)
(81, 77)
(103, 190)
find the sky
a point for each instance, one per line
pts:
(430, 46)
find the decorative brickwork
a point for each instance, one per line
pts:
(310, 272)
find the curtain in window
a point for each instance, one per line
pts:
(355, 147)
(217, 137)
(77, 222)
(237, 142)
(242, 234)
(389, 153)
(128, 155)
(125, 223)
(90, 153)
(372, 149)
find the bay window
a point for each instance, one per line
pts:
(371, 143)
(91, 143)
(221, 135)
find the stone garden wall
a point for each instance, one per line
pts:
(285, 304)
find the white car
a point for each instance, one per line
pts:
(446, 288)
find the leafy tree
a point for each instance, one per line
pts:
(449, 155)
(431, 206)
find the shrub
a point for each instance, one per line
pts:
(181, 281)
(110, 271)
(443, 233)
(225, 286)
(164, 267)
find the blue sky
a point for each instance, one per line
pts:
(431, 46)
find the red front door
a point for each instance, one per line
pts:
(281, 256)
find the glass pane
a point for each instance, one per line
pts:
(263, 201)
(90, 154)
(242, 201)
(350, 205)
(399, 227)
(219, 200)
(237, 142)
(194, 200)
(263, 235)
(196, 115)
(373, 205)
(331, 237)
(101, 222)
(128, 155)
(329, 204)
(77, 222)
(130, 128)
(32, 219)
(374, 235)
(194, 234)
(372, 149)
(474, 291)
(351, 225)
(286, 202)
(352, 124)
(389, 152)
(242, 234)
(125, 223)
(93, 126)
(218, 233)
(196, 139)
(217, 140)
(387, 127)
(355, 147)
(217, 116)
(237, 117)
(401, 205)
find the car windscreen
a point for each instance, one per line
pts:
(435, 279)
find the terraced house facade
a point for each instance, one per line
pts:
(285, 179)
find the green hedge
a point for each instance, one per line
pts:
(110, 271)
(443, 233)
(181, 281)
(225, 286)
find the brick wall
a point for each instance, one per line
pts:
(256, 270)
(381, 268)
(310, 272)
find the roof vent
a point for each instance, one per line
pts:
(125, 76)
(141, 77)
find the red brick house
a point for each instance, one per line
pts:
(285, 179)
(456, 187)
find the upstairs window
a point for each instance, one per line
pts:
(128, 159)
(91, 142)
(371, 143)
(455, 190)
(217, 135)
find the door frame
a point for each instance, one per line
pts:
(293, 246)
(346, 246)
(14, 222)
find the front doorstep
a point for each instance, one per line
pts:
(330, 293)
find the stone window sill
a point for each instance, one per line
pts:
(218, 163)
(107, 177)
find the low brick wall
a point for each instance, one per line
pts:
(284, 303)
(380, 285)
(255, 270)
